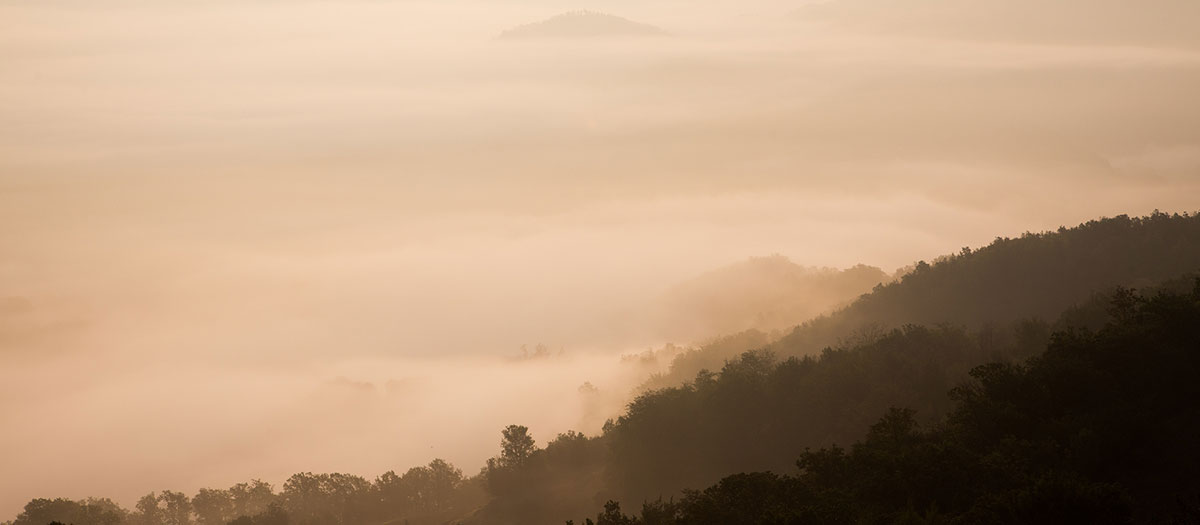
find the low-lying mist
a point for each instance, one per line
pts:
(242, 240)
(191, 425)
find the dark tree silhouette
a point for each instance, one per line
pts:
(1017, 383)
(1100, 428)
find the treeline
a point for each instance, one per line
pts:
(757, 412)
(761, 413)
(761, 409)
(763, 293)
(1037, 275)
(1100, 425)
(1101, 428)
(764, 404)
(423, 495)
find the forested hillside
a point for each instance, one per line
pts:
(1034, 276)
(1100, 428)
(761, 293)
(1098, 421)
(760, 413)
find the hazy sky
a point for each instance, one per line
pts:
(245, 239)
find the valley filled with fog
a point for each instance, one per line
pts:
(246, 239)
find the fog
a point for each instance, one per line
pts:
(246, 239)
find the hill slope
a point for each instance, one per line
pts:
(1032, 276)
(761, 293)
(1098, 418)
(1097, 429)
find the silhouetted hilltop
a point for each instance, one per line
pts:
(761, 413)
(582, 24)
(1032, 276)
(1097, 428)
(1083, 406)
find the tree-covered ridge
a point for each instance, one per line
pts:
(761, 413)
(667, 441)
(430, 494)
(1099, 425)
(1100, 428)
(762, 409)
(761, 293)
(1036, 275)
(693, 434)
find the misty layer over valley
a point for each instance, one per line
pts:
(658, 244)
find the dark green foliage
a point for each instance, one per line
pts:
(432, 494)
(759, 413)
(551, 483)
(429, 493)
(273, 515)
(692, 435)
(516, 446)
(252, 498)
(772, 498)
(1101, 428)
(756, 414)
(709, 356)
(176, 508)
(612, 515)
(327, 499)
(212, 506)
(92, 511)
(1033, 276)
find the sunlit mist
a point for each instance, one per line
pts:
(242, 240)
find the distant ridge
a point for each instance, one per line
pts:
(763, 293)
(582, 24)
(1033, 276)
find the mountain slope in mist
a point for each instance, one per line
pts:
(1097, 428)
(1033, 276)
(761, 293)
(582, 24)
(760, 412)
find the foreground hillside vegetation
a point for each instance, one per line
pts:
(1036, 275)
(1100, 428)
(1068, 392)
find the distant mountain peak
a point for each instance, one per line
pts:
(582, 24)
